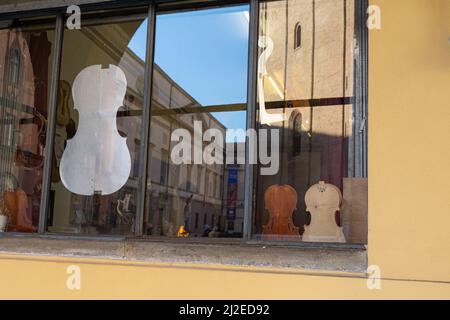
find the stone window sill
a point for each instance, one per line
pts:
(335, 258)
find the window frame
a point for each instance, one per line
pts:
(154, 7)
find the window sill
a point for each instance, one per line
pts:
(226, 253)
(326, 257)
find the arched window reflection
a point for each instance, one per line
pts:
(298, 36)
(14, 66)
(297, 134)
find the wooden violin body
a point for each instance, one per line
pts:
(97, 159)
(16, 203)
(281, 202)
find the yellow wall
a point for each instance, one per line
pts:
(409, 192)
(46, 278)
(409, 146)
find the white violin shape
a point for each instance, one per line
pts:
(265, 43)
(97, 159)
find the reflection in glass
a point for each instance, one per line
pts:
(116, 51)
(25, 73)
(306, 85)
(200, 79)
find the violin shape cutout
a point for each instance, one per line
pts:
(97, 159)
(323, 201)
(281, 202)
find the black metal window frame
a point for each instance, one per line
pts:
(150, 10)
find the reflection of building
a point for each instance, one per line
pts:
(188, 194)
(102, 44)
(234, 192)
(310, 79)
(177, 193)
(24, 84)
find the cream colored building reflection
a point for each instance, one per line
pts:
(188, 194)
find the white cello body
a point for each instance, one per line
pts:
(97, 159)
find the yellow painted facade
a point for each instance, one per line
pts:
(409, 185)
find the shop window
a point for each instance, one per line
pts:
(164, 167)
(196, 221)
(99, 119)
(200, 75)
(189, 186)
(26, 56)
(316, 196)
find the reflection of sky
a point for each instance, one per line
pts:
(206, 53)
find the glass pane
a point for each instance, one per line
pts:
(26, 56)
(200, 83)
(98, 129)
(306, 94)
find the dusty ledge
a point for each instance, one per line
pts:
(236, 254)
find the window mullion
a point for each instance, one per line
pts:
(146, 121)
(51, 125)
(251, 117)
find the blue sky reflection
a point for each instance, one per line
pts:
(206, 53)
